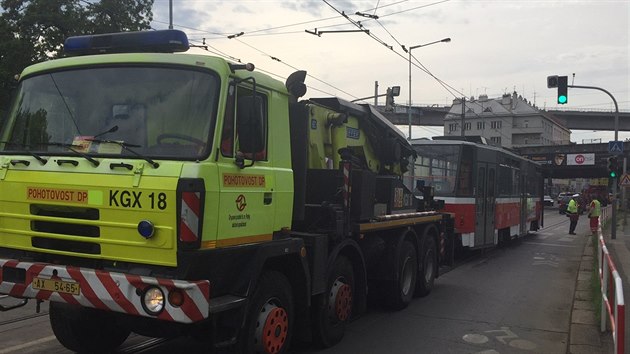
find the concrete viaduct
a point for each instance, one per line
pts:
(583, 120)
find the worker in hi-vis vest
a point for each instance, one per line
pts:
(573, 214)
(594, 213)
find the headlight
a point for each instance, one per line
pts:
(153, 300)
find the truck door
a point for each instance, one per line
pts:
(246, 201)
(485, 205)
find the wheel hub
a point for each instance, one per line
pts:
(340, 301)
(272, 328)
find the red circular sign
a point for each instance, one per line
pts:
(579, 159)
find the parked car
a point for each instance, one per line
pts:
(548, 201)
(564, 201)
(562, 195)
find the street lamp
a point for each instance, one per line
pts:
(445, 40)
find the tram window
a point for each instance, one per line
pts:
(508, 181)
(437, 166)
(464, 186)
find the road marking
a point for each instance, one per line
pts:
(503, 335)
(508, 334)
(18, 347)
(475, 338)
(548, 244)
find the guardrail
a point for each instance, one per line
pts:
(611, 289)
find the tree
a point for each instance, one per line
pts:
(32, 31)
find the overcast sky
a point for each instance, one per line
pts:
(498, 46)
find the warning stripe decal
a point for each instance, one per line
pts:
(189, 225)
(109, 291)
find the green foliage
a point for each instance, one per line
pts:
(32, 31)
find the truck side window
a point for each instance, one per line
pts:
(227, 134)
(251, 124)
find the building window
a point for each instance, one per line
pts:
(496, 140)
(453, 127)
(495, 124)
(467, 126)
(481, 125)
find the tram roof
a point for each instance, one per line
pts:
(442, 142)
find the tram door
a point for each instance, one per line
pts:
(524, 185)
(485, 204)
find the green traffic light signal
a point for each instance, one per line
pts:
(563, 93)
(612, 167)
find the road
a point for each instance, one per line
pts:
(515, 299)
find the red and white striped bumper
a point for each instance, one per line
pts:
(109, 291)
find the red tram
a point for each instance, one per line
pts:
(496, 195)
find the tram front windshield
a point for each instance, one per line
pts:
(437, 166)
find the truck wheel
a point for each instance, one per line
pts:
(85, 330)
(268, 327)
(335, 308)
(403, 285)
(429, 263)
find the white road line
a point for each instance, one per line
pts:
(540, 243)
(19, 347)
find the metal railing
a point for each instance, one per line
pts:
(613, 306)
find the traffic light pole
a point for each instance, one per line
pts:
(613, 228)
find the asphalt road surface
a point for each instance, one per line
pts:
(515, 299)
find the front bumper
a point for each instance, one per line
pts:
(109, 291)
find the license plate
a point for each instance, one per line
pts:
(58, 286)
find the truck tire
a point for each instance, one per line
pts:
(428, 269)
(85, 330)
(269, 324)
(334, 309)
(405, 269)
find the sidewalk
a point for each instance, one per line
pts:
(585, 336)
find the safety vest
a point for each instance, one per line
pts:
(572, 207)
(596, 208)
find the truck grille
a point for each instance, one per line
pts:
(65, 245)
(67, 227)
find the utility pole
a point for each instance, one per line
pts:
(170, 14)
(375, 93)
(463, 115)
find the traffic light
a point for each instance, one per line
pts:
(389, 97)
(563, 92)
(561, 83)
(612, 167)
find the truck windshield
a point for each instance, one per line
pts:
(157, 112)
